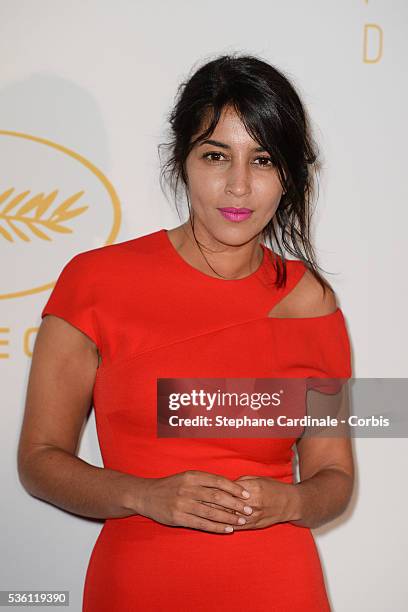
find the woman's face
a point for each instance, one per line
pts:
(230, 170)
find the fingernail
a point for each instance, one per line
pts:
(229, 529)
(247, 509)
(241, 520)
(245, 494)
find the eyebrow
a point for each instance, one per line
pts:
(217, 143)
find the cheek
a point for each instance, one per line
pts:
(205, 186)
(268, 190)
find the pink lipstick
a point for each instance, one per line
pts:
(235, 214)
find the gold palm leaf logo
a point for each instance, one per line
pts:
(35, 213)
(27, 215)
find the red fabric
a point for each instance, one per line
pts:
(152, 315)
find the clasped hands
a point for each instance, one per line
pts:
(271, 500)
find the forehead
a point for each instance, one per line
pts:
(229, 129)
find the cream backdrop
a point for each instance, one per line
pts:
(85, 87)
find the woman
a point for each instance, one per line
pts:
(198, 523)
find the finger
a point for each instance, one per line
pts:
(219, 506)
(218, 515)
(220, 482)
(220, 498)
(203, 524)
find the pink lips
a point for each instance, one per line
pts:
(235, 214)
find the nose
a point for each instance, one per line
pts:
(238, 179)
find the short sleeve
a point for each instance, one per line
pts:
(73, 299)
(332, 398)
(333, 347)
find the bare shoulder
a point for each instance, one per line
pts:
(306, 299)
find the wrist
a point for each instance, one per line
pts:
(295, 503)
(134, 493)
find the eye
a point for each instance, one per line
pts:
(207, 156)
(265, 159)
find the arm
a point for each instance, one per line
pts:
(325, 464)
(326, 480)
(59, 396)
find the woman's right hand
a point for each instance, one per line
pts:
(195, 499)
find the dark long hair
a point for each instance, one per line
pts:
(273, 114)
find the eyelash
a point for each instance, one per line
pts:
(206, 156)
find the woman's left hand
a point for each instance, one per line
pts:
(271, 500)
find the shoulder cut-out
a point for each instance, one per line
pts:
(306, 299)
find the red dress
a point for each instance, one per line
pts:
(153, 315)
